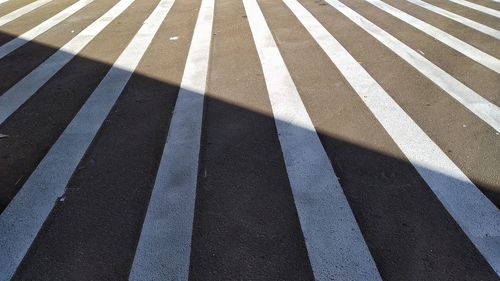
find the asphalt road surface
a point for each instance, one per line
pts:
(249, 140)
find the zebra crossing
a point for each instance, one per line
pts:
(250, 140)
(470, 23)
(9, 47)
(418, 148)
(477, 7)
(328, 223)
(22, 11)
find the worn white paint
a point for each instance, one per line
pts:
(26, 37)
(24, 216)
(478, 217)
(335, 245)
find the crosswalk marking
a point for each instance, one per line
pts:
(18, 94)
(447, 39)
(165, 244)
(334, 242)
(475, 214)
(463, 20)
(22, 11)
(22, 219)
(19, 41)
(484, 109)
(477, 7)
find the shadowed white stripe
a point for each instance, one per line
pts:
(18, 94)
(24, 216)
(477, 7)
(463, 20)
(15, 43)
(476, 215)
(445, 38)
(22, 11)
(335, 246)
(165, 244)
(3, 1)
(484, 109)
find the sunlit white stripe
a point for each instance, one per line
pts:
(18, 94)
(452, 42)
(477, 216)
(15, 43)
(22, 11)
(165, 244)
(24, 216)
(484, 109)
(335, 245)
(477, 7)
(463, 20)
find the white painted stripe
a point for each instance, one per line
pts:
(477, 7)
(476, 215)
(3, 1)
(484, 109)
(18, 94)
(463, 20)
(164, 247)
(22, 11)
(445, 38)
(24, 216)
(335, 245)
(15, 43)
